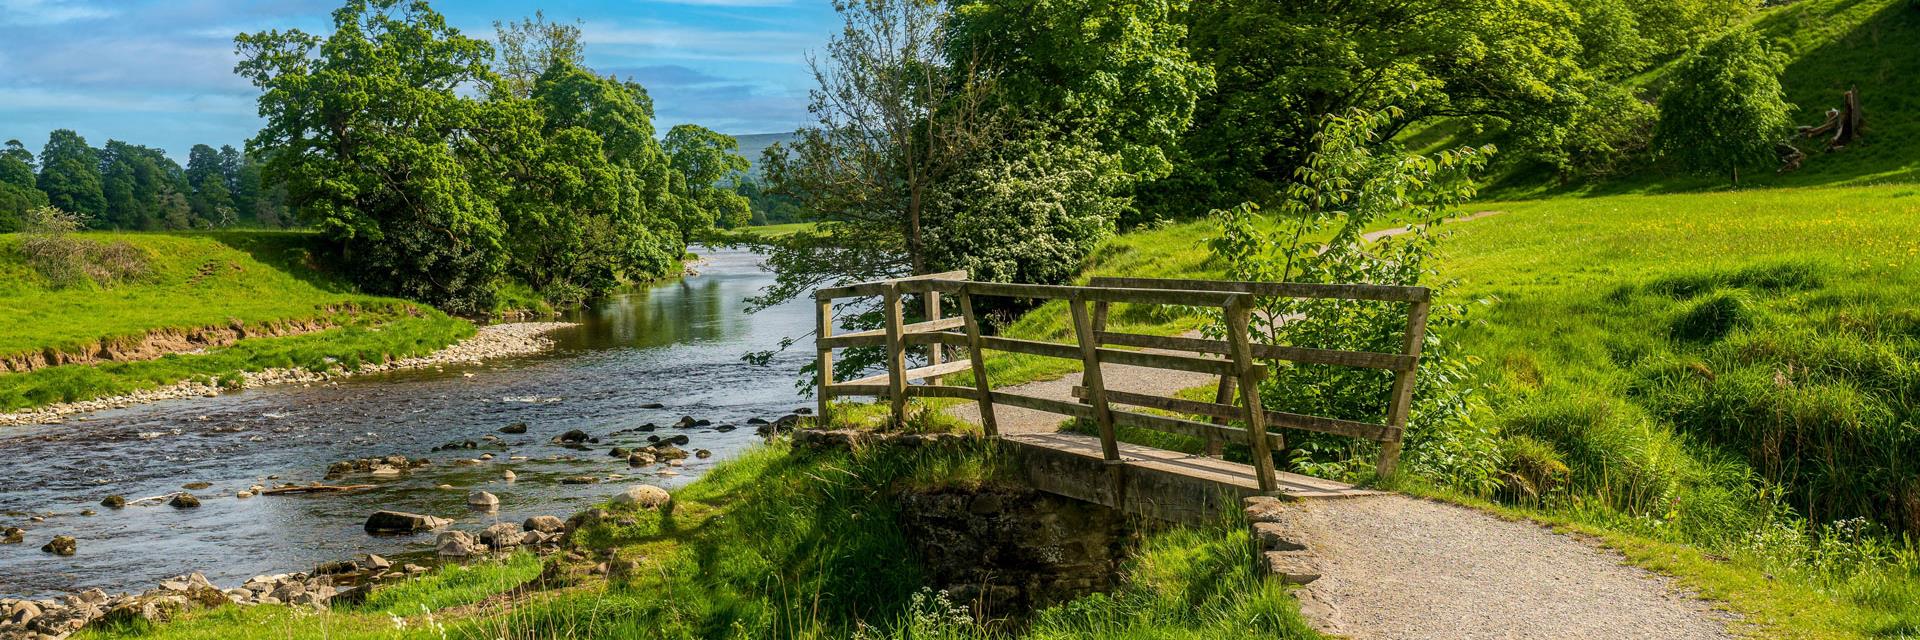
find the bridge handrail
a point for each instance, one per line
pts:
(1235, 359)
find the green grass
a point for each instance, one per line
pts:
(252, 279)
(771, 231)
(781, 543)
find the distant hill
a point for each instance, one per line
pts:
(753, 144)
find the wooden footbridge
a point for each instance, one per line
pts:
(1099, 468)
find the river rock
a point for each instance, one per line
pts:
(724, 428)
(702, 454)
(113, 502)
(668, 452)
(483, 500)
(21, 613)
(686, 422)
(375, 563)
(508, 475)
(619, 452)
(579, 480)
(386, 471)
(12, 535)
(196, 486)
(680, 440)
(642, 496)
(502, 535)
(402, 522)
(183, 500)
(653, 405)
(544, 524)
(574, 436)
(457, 544)
(640, 459)
(515, 428)
(756, 420)
(61, 546)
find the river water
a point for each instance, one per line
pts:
(677, 344)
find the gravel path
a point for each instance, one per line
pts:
(1394, 567)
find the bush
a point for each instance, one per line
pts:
(51, 250)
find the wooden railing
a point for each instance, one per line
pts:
(1236, 360)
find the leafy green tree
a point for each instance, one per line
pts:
(1318, 234)
(525, 50)
(212, 197)
(1028, 211)
(136, 179)
(1724, 107)
(18, 195)
(358, 125)
(705, 160)
(70, 175)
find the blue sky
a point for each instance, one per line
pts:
(160, 72)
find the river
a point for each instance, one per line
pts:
(677, 344)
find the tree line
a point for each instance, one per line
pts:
(1007, 137)
(131, 187)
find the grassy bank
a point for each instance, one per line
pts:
(789, 544)
(140, 296)
(1722, 384)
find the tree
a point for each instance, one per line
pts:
(527, 49)
(212, 199)
(358, 128)
(136, 180)
(705, 159)
(1724, 107)
(70, 175)
(18, 195)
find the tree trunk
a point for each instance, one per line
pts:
(1736, 175)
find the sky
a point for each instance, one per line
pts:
(160, 72)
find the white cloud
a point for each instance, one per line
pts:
(33, 99)
(45, 12)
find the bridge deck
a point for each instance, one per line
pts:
(1231, 477)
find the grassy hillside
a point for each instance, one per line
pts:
(1832, 45)
(178, 284)
(1731, 373)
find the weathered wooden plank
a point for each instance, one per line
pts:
(896, 353)
(1091, 378)
(841, 390)
(1282, 419)
(877, 337)
(941, 391)
(1239, 315)
(1212, 432)
(1379, 292)
(1031, 347)
(1402, 401)
(1135, 296)
(935, 352)
(1195, 364)
(949, 338)
(879, 287)
(823, 330)
(1049, 405)
(977, 357)
(1335, 426)
(916, 373)
(1336, 357)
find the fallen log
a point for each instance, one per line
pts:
(317, 488)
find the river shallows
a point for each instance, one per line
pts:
(677, 344)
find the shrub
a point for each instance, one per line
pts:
(51, 250)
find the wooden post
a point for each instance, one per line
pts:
(823, 317)
(1416, 338)
(896, 354)
(979, 357)
(1239, 314)
(935, 351)
(1222, 394)
(1100, 308)
(1090, 378)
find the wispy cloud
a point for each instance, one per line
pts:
(47, 12)
(692, 43)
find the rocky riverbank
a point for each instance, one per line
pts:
(493, 341)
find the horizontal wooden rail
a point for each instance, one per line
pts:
(913, 391)
(1378, 292)
(876, 337)
(1091, 294)
(1349, 428)
(1363, 359)
(878, 287)
(1190, 428)
(1048, 405)
(921, 373)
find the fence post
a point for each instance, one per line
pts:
(1416, 338)
(988, 422)
(936, 353)
(896, 354)
(823, 317)
(1239, 314)
(1090, 378)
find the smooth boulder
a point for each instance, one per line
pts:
(457, 544)
(61, 546)
(544, 524)
(643, 496)
(502, 535)
(483, 500)
(403, 522)
(184, 500)
(515, 428)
